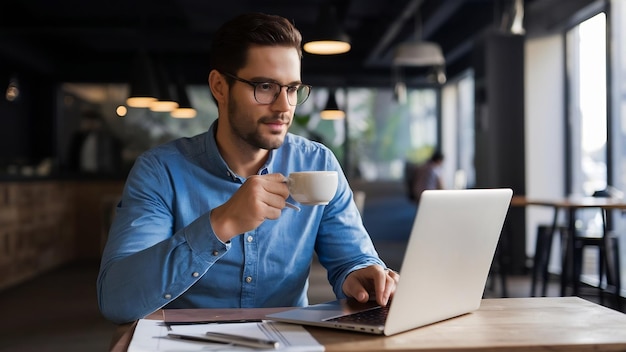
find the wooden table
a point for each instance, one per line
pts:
(569, 273)
(501, 324)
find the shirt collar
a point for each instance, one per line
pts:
(218, 165)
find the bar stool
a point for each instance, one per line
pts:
(543, 251)
(609, 273)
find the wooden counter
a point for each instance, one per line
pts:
(47, 223)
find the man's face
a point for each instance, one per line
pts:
(263, 126)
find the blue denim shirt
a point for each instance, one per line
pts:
(162, 252)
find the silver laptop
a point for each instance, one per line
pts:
(444, 270)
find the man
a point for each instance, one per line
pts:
(427, 176)
(202, 221)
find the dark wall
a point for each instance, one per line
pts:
(27, 123)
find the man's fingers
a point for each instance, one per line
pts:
(357, 291)
(270, 192)
(385, 285)
(353, 287)
(389, 283)
(360, 284)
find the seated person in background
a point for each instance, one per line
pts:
(202, 221)
(427, 176)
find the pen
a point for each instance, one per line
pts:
(229, 338)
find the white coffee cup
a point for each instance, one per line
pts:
(312, 187)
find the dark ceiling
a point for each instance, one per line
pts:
(95, 41)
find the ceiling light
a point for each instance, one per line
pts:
(163, 106)
(184, 110)
(184, 113)
(139, 101)
(517, 26)
(327, 47)
(165, 100)
(437, 75)
(13, 89)
(418, 53)
(332, 111)
(441, 76)
(121, 111)
(400, 93)
(142, 83)
(329, 38)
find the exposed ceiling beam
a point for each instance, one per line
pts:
(435, 22)
(390, 35)
(26, 56)
(382, 54)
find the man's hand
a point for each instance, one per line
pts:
(261, 197)
(374, 279)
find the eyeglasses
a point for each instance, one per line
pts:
(267, 92)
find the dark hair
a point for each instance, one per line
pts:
(231, 41)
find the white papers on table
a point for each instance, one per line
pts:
(151, 335)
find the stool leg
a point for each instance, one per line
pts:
(613, 272)
(577, 262)
(546, 259)
(568, 266)
(545, 251)
(539, 258)
(601, 266)
(618, 273)
(604, 257)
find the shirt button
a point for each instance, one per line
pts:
(167, 296)
(250, 238)
(249, 279)
(195, 274)
(215, 253)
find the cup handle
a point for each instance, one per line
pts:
(292, 206)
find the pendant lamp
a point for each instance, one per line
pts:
(329, 38)
(143, 86)
(332, 110)
(418, 52)
(184, 110)
(13, 89)
(165, 99)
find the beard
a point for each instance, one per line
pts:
(246, 129)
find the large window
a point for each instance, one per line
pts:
(618, 84)
(587, 112)
(382, 134)
(458, 132)
(597, 129)
(385, 135)
(618, 119)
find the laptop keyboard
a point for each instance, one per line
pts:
(376, 316)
